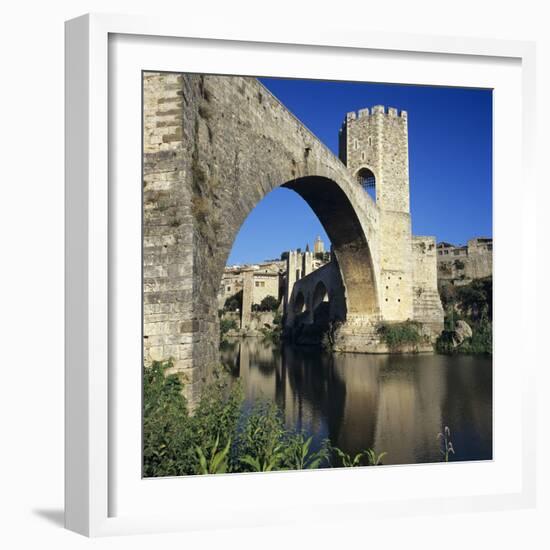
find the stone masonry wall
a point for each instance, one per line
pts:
(426, 302)
(168, 321)
(461, 265)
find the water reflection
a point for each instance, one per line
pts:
(391, 403)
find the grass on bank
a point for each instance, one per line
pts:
(400, 335)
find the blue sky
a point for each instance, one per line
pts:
(450, 162)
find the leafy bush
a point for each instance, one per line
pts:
(259, 444)
(480, 342)
(476, 298)
(273, 332)
(473, 303)
(397, 335)
(226, 325)
(444, 342)
(269, 303)
(166, 435)
(264, 444)
(298, 455)
(171, 435)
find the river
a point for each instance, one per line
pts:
(392, 403)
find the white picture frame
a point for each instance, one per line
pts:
(92, 221)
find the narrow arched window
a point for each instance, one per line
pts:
(367, 180)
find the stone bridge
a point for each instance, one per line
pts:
(214, 147)
(321, 288)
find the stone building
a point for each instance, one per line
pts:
(272, 277)
(460, 265)
(266, 281)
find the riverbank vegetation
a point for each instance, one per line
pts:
(234, 302)
(227, 324)
(400, 335)
(273, 332)
(266, 317)
(222, 435)
(472, 304)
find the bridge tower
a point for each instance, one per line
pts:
(373, 144)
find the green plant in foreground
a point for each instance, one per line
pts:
(171, 434)
(260, 441)
(299, 456)
(218, 460)
(264, 444)
(446, 443)
(373, 458)
(166, 434)
(266, 462)
(347, 460)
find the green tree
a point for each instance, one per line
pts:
(476, 298)
(235, 302)
(269, 303)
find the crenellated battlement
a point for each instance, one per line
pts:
(391, 112)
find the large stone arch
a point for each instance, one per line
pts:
(340, 219)
(213, 148)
